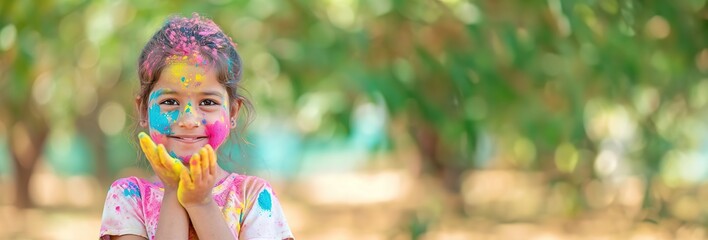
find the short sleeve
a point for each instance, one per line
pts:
(264, 218)
(122, 213)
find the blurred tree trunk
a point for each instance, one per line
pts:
(438, 160)
(26, 145)
(88, 126)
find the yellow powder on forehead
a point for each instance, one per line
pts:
(180, 70)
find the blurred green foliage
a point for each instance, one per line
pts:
(552, 84)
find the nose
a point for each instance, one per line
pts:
(189, 118)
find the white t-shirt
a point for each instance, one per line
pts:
(248, 203)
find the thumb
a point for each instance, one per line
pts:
(147, 145)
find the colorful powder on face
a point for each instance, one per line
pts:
(264, 200)
(183, 159)
(157, 137)
(197, 37)
(179, 68)
(159, 121)
(188, 108)
(217, 133)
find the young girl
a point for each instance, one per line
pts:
(189, 74)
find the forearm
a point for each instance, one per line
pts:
(208, 221)
(173, 222)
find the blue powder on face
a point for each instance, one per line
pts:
(264, 200)
(160, 121)
(173, 154)
(132, 190)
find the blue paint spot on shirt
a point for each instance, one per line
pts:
(132, 190)
(264, 200)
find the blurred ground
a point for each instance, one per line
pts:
(388, 204)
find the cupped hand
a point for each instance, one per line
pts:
(167, 168)
(195, 185)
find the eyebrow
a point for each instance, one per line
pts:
(212, 93)
(205, 93)
(167, 92)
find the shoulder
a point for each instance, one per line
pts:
(258, 191)
(251, 183)
(131, 186)
(131, 181)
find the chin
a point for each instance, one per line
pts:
(183, 150)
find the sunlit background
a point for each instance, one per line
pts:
(385, 119)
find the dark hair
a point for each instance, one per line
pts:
(195, 36)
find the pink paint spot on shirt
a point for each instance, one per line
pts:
(140, 216)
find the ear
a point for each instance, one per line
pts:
(142, 112)
(235, 108)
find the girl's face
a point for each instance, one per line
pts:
(188, 108)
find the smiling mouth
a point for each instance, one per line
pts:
(188, 139)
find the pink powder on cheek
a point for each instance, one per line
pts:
(217, 133)
(158, 138)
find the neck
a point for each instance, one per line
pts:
(220, 174)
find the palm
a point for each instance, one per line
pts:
(166, 168)
(196, 184)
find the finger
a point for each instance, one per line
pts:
(163, 157)
(147, 145)
(195, 168)
(185, 179)
(205, 161)
(167, 161)
(212, 159)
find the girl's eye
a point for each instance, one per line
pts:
(169, 102)
(208, 102)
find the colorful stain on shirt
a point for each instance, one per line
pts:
(140, 216)
(131, 190)
(264, 200)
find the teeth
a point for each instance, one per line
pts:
(189, 138)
